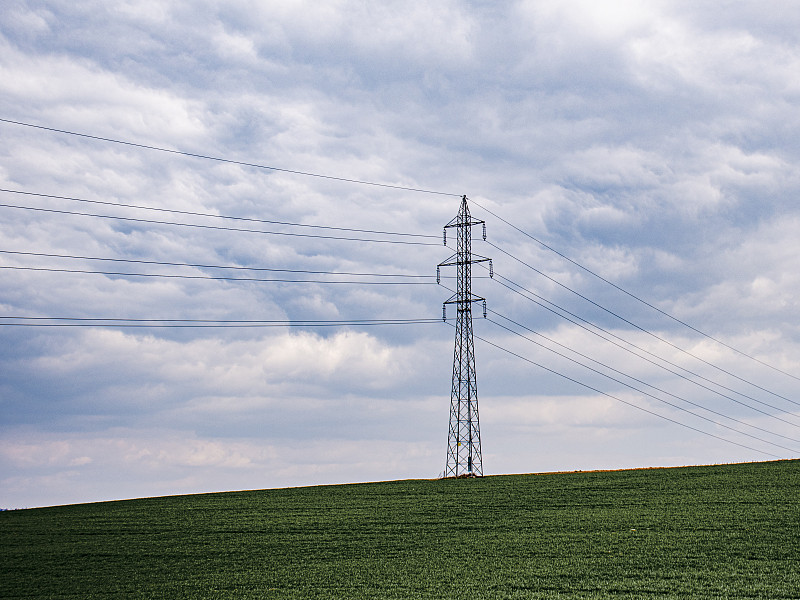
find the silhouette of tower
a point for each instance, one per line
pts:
(464, 437)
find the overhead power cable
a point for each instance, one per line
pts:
(214, 278)
(227, 160)
(217, 227)
(634, 296)
(642, 329)
(205, 266)
(613, 397)
(19, 321)
(211, 215)
(622, 373)
(596, 329)
(654, 397)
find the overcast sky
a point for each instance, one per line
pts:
(656, 144)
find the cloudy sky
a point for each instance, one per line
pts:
(655, 144)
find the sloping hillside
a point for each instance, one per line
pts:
(729, 531)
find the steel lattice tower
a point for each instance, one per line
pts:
(464, 437)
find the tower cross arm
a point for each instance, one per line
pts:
(456, 260)
(457, 299)
(468, 222)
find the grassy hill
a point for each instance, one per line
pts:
(729, 531)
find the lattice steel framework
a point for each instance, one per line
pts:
(464, 437)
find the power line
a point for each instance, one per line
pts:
(212, 278)
(642, 329)
(634, 296)
(216, 227)
(204, 266)
(649, 395)
(198, 323)
(211, 215)
(589, 387)
(362, 182)
(584, 324)
(610, 368)
(229, 161)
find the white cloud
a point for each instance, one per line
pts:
(106, 102)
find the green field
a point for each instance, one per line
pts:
(728, 531)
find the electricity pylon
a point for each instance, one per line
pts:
(464, 437)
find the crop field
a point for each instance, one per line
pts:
(729, 531)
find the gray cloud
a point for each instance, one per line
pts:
(654, 143)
